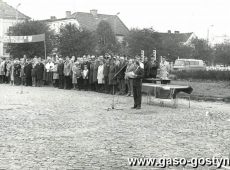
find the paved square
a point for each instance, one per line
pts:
(48, 128)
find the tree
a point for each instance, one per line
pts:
(172, 48)
(31, 49)
(222, 53)
(73, 41)
(107, 42)
(142, 39)
(202, 50)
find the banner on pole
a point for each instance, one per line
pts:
(23, 39)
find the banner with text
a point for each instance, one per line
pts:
(23, 39)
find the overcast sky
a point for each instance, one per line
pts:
(183, 15)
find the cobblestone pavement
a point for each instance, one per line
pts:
(48, 128)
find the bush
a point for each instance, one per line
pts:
(203, 75)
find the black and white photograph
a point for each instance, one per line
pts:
(114, 85)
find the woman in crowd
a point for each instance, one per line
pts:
(100, 76)
(49, 71)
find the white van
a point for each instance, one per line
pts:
(189, 64)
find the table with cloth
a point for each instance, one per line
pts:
(165, 91)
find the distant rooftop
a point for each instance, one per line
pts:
(176, 36)
(91, 20)
(9, 12)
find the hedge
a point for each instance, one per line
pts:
(203, 75)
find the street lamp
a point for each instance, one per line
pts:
(16, 15)
(208, 32)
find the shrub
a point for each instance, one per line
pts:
(203, 75)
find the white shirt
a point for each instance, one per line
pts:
(141, 65)
(49, 66)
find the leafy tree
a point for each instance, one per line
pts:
(142, 39)
(31, 49)
(202, 50)
(222, 53)
(107, 42)
(172, 48)
(73, 41)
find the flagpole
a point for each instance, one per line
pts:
(45, 46)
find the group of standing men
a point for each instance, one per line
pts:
(108, 74)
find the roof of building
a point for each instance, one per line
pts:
(57, 19)
(178, 37)
(8, 12)
(90, 22)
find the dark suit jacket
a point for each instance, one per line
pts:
(60, 69)
(137, 81)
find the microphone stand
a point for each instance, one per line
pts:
(113, 101)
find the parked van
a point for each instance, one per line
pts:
(189, 64)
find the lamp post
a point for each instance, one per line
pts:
(208, 32)
(16, 15)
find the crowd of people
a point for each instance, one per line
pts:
(105, 74)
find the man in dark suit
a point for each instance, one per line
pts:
(60, 71)
(28, 70)
(39, 72)
(137, 85)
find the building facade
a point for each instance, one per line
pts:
(9, 16)
(89, 21)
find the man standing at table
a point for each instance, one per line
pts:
(137, 85)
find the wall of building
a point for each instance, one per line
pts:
(120, 38)
(5, 24)
(56, 25)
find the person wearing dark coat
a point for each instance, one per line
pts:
(112, 79)
(151, 68)
(60, 71)
(27, 71)
(39, 72)
(91, 68)
(121, 76)
(137, 85)
(95, 69)
(17, 72)
(106, 75)
(67, 73)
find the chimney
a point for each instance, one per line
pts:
(68, 14)
(169, 32)
(176, 32)
(52, 17)
(93, 12)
